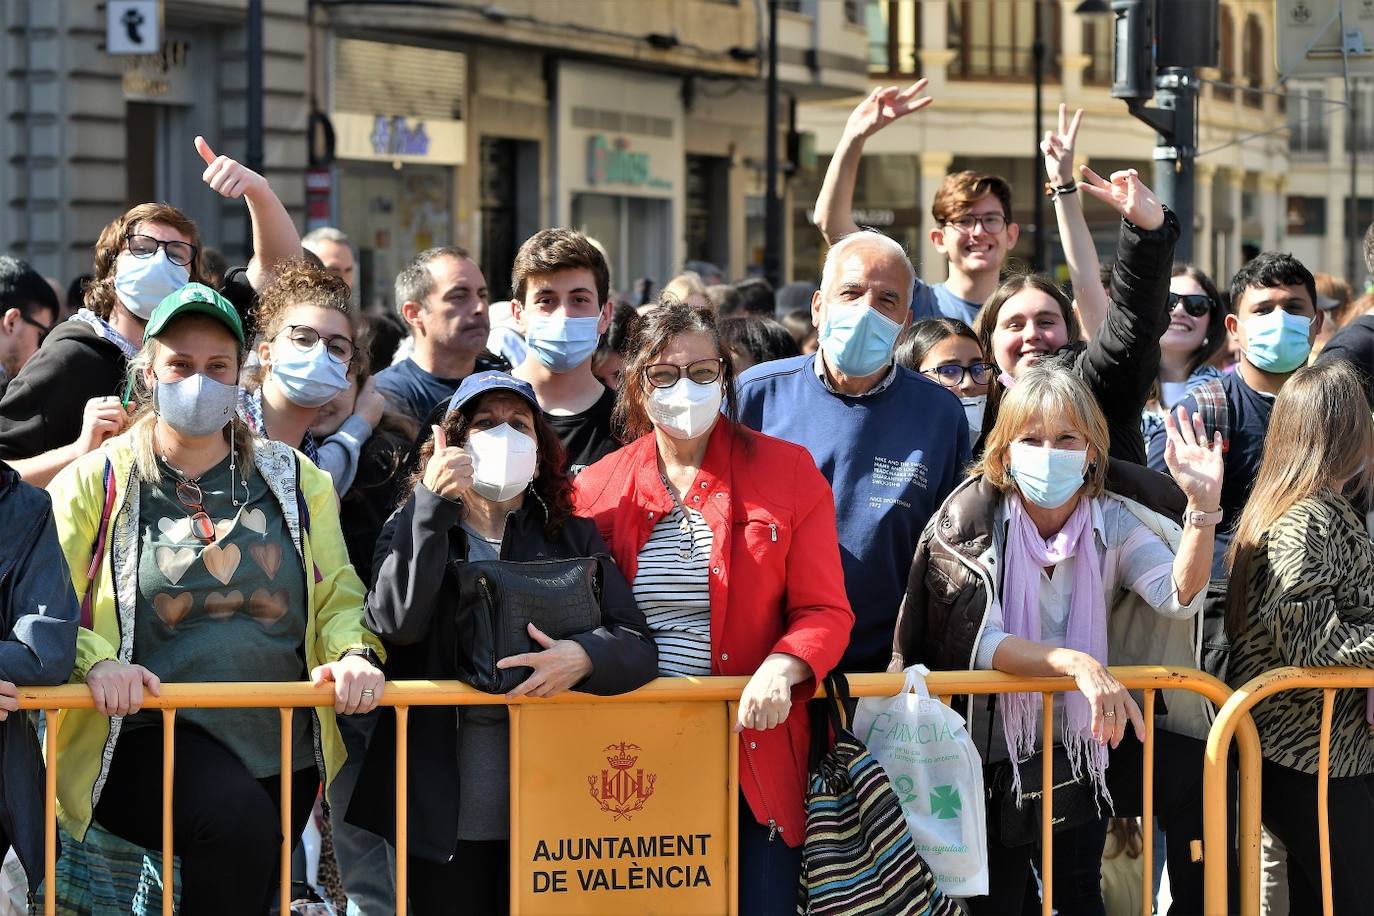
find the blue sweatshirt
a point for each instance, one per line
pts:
(891, 457)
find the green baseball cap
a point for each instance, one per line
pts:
(194, 298)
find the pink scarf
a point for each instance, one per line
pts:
(1027, 553)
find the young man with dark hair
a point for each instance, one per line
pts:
(28, 311)
(972, 211)
(1274, 321)
(561, 290)
(441, 295)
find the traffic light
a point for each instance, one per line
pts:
(1133, 75)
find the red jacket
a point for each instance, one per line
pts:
(776, 581)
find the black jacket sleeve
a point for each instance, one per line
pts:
(1121, 361)
(623, 654)
(44, 403)
(412, 555)
(40, 647)
(1354, 343)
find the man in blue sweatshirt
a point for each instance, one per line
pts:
(892, 443)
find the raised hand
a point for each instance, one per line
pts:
(449, 470)
(225, 176)
(1127, 195)
(883, 106)
(1058, 148)
(1195, 463)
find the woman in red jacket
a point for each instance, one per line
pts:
(728, 537)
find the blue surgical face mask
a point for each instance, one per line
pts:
(308, 378)
(1278, 341)
(562, 344)
(141, 283)
(1048, 477)
(857, 339)
(195, 406)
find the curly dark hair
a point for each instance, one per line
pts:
(552, 485)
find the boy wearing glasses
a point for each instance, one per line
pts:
(973, 226)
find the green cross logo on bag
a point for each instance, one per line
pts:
(944, 802)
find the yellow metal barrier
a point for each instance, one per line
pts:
(402, 695)
(1237, 710)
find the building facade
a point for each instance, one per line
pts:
(1268, 174)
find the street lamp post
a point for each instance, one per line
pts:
(1038, 63)
(253, 155)
(772, 219)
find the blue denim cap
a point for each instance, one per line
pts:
(479, 383)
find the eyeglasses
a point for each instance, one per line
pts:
(191, 498)
(991, 222)
(43, 329)
(702, 371)
(145, 246)
(304, 337)
(1194, 304)
(952, 375)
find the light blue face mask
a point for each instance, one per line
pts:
(197, 405)
(858, 339)
(141, 283)
(1048, 477)
(1278, 341)
(308, 378)
(562, 344)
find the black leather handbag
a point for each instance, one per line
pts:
(1075, 801)
(497, 598)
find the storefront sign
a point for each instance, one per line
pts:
(613, 161)
(132, 26)
(620, 809)
(163, 77)
(398, 138)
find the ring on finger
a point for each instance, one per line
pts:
(368, 693)
(1109, 714)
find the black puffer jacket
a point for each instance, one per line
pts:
(411, 607)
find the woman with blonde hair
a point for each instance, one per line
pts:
(203, 554)
(1052, 560)
(1302, 593)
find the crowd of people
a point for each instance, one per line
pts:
(249, 477)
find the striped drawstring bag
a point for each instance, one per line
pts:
(858, 858)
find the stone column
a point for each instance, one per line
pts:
(1235, 179)
(1271, 210)
(934, 166)
(934, 53)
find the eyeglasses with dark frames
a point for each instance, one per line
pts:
(991, 222)
(145, 246)
(304, 337)
(43, 329)
(1194, 304)
(952, 375)
(701, 371)
(192, 498)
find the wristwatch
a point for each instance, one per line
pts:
(1199, 519)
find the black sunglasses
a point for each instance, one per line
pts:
(952, 375)
(43, 329)
(1194, 304)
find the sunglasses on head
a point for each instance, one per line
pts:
(1194, 304)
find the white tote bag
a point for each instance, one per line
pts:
(930, 757)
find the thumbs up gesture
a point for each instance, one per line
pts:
(227, 177)
(448, 472)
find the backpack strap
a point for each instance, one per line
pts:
(98, 548)
(1210, 396)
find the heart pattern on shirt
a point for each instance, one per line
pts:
(221, 607)
(172, 609)
(254, 520)
(174, 563)
(222, 562)
(174, 531)
(267, 556)
(267, 607)
(223, 527)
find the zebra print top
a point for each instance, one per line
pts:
(1311, 599)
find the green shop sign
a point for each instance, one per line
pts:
(613, 162)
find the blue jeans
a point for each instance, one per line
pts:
(769, 870)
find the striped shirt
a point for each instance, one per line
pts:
(673, 591)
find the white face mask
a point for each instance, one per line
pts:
(973, 412)
(687, 410)
(503, 462)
